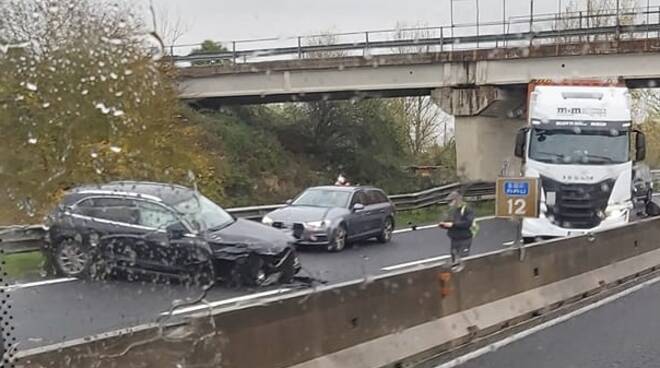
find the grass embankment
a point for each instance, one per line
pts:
(22, 266)
(434, 214)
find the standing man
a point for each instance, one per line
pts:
(460, 229)
(342, 181)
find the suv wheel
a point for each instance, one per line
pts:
(387, 231)
(202, 275)
(252, 272)
(72, 259)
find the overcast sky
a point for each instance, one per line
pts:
(224, 20)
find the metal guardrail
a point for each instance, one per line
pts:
(656, 175)
(551, 28)
(403, 202)
(23, 239)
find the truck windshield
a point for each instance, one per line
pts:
(576, 146)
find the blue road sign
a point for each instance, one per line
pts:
(516, 188)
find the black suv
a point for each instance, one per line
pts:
(163, 229)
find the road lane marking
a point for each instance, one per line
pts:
(426, 227)
(219, 303)
(415, 263)
(38, 283)
(520, 335)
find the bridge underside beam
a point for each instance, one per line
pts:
(216, 102)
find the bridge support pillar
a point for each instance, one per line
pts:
(487, 119)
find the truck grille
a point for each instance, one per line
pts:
(577, 206)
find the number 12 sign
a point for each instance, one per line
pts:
(517, 197)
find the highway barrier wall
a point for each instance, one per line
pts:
(378, 321)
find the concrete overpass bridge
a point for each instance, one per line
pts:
(480, 75)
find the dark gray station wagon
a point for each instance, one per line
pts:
(331, 216)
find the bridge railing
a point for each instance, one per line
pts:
(551, 28)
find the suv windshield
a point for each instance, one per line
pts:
(582, 147)
(203, 214)
(323, 198)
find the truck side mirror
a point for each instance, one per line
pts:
(521, 140)
(640, 146)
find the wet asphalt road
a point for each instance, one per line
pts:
(54, 313)
(624, 333)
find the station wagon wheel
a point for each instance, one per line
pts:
(71, 257)
(338, 242)
(387, 231)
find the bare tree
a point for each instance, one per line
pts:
(599, 13)
(169, 28)
(424, 124)
(325, 38)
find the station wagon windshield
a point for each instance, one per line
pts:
(323, 198)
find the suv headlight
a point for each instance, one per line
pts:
(267, 221)
(317, 225)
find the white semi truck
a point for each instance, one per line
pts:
(580, 143)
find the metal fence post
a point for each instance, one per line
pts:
(477, 8)
(233, 51)
(531, 22)
(580, 16)
(648, 20)
(618, 23)
(442, 39)
(366, 45)
(558, 37)
(299, 48)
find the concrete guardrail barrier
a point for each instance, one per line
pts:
(380, 321)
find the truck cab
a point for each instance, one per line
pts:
(580, 143)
